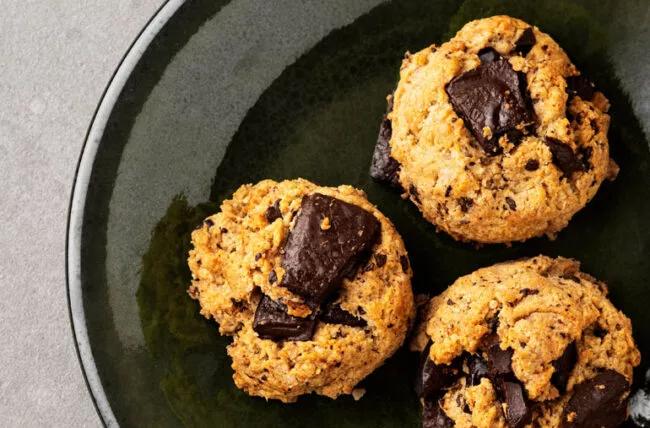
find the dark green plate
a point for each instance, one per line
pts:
(214, 94)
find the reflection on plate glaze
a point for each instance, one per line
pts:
(640, 404)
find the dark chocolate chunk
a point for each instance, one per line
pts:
(362, 260)
(413, 191)
(491, 339)
(491, 96)
(525, 42)
(434, 417)
(532, 165)
(529, 291)
(208, 222)
(316, 259)
(563, 156)
(570, 277)
(272, 277)
(509, 389)
(518, 411)
(380, 259)
(404, 262)
(465, 203)
(334, 314)
(273, 322)
(514, 136)
(499, 360)
(599, 332)
(597, 402)
(273, 212)
(478, 369)
(493, 323)
(580, 86)
(564, 366)
(432, 378)
(487, 55)
(511, 203)
(223, 230)
(383, 167)
(240, 305)
(584, 154)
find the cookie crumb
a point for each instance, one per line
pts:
(357, 393)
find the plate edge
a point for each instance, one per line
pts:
(77, 202)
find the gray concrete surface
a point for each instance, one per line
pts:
(56, 56)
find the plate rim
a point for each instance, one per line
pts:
(77, 203)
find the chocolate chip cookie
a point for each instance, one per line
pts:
(532, 342)
(312, 283)
(495, 135)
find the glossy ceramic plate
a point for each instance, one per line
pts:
(214, 94)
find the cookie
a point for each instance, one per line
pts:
(531, 342)
(495, 135)
(312, 283)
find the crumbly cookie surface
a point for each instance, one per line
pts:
(237, 259)
(542, 312)
(510, 188)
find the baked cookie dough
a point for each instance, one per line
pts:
(313, 284)
(532, 342)
(495, 135)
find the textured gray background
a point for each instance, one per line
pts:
(56, 58)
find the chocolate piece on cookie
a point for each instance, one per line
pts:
(563, 156)
(273, 213)
(580, 86)
(317, 257)
(384, 168)
(564, 366)
(491, 100)
(525, 42)
(273, 322)
(432, 378)
(334, 314)
(600, 401)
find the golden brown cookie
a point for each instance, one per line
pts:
(495, 135)
(526, 341)
(312, 283)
